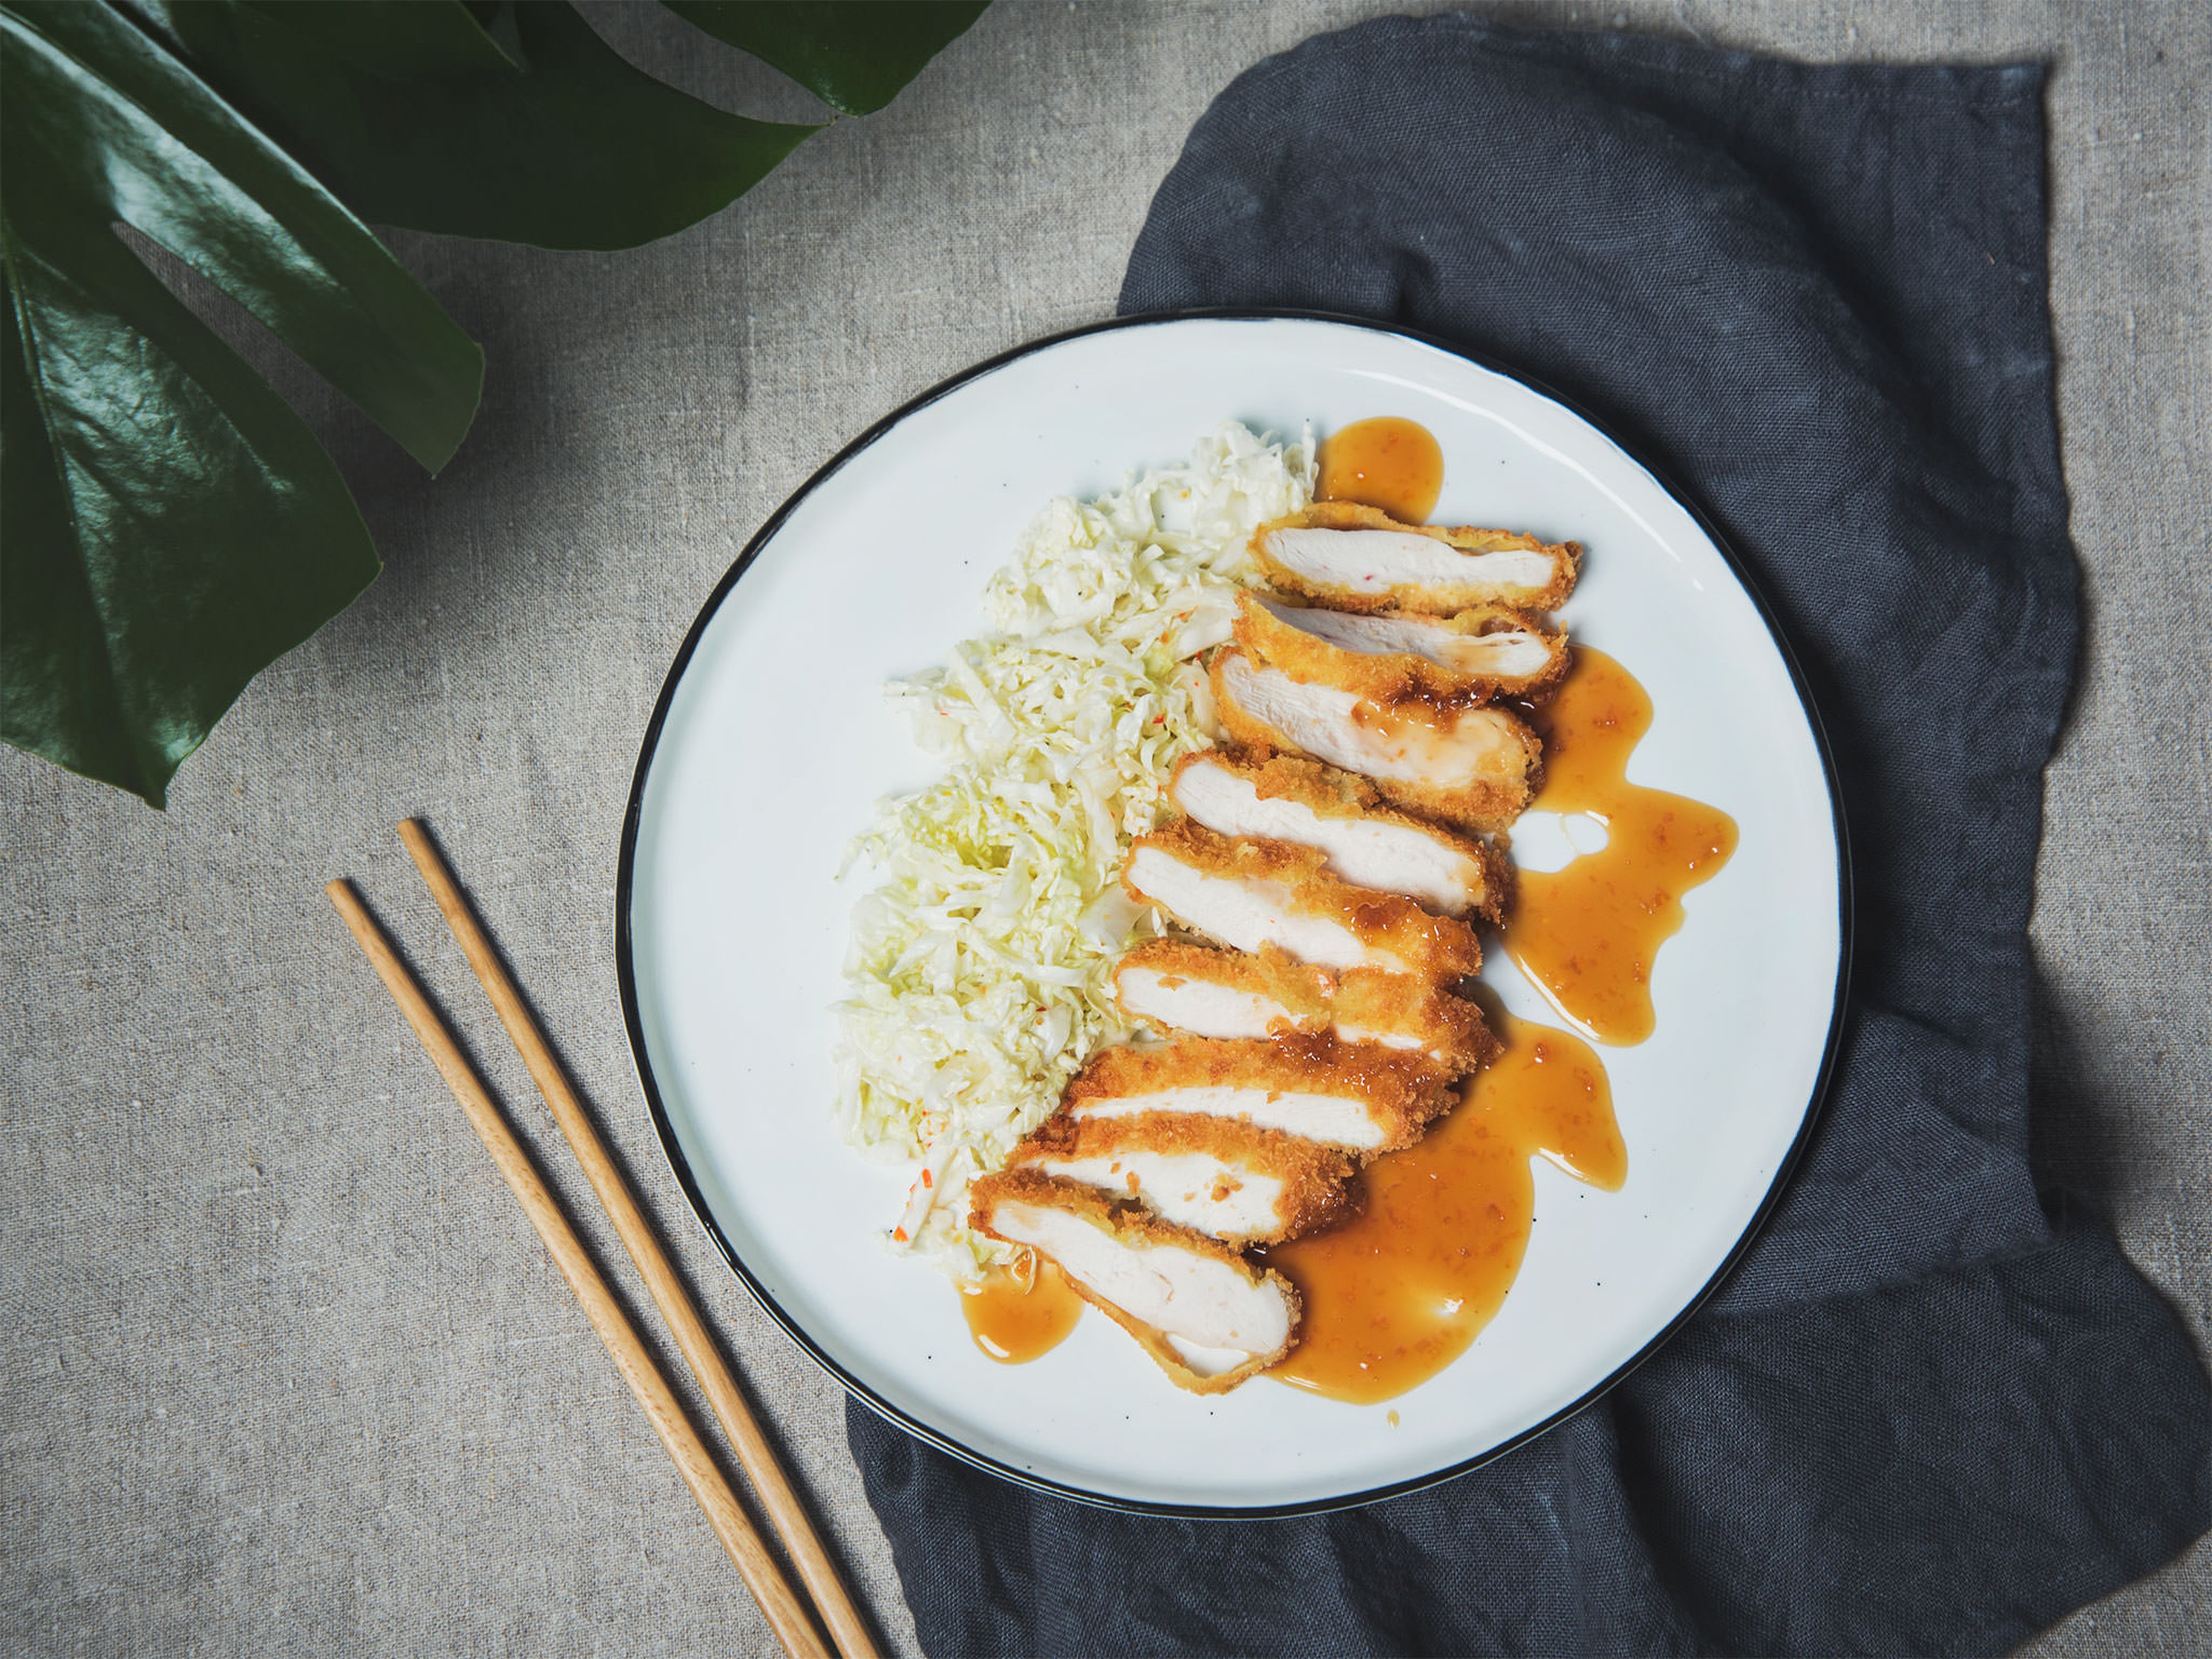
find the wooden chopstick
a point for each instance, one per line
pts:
(785, 1510)
(786, 1613)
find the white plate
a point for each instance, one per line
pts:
(772, 741)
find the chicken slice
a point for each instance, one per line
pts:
(1206, 1316)
(1228, 1180)
(1372, 1007)
(1359, 1096)
(1362, 559)
(1256, 893)
(1174, 986)
(1365, 842)
(1475, 768)
(1393, 657)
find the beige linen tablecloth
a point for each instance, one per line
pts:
(283, 1370)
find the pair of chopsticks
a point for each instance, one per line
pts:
(786, 1610)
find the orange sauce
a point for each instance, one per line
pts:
(1014, 1321)
(1389, 462)
(1587, 935)
(1396, 1294)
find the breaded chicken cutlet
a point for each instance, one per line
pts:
(1241, 1185)
(1174, 986)
(1395, 657)
(1474, 767)
(1361, 1097)
(1366, 843)
(1358, 558)
(1207, 1317)
(1254, 893)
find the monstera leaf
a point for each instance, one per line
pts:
(854, 56)
(167, 526)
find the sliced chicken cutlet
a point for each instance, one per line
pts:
(1174, 986)
(1206, 1316)
(1358, 558)
(1359, 1096)
(1228, 1180)
(1366, 843)
(1379, 1008)
(1392, 657)
(1256, 893)
(1474, 767)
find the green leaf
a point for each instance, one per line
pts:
(854, 55)
(169, 525)
(524, 127)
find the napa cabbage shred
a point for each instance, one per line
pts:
(979, 962)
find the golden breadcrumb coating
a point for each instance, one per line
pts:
(1566, 558)
(1487, 802)
(1129, 1225)
(1400, 1089)
(1439, 947)
(1448, 1028)
(1318, 1002)
(1391, 678)
(1300, 990)
(1315, 1189)
(1331, 792)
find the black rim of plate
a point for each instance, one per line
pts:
(665, 1128)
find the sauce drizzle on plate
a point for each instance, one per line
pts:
(1015, 1322)
(1395, 1294)
(1587, 935)
(1390, 463)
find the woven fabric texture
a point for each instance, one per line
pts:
(282, 1367)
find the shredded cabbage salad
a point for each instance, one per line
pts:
(979, 965)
